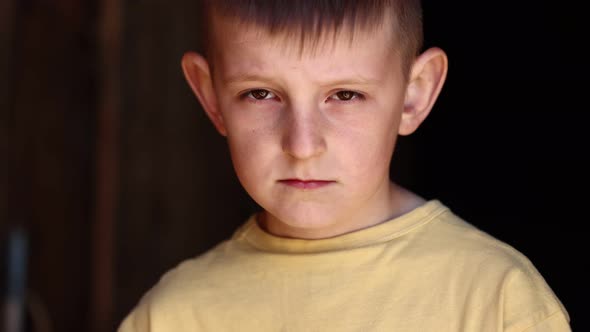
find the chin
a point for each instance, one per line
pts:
(305, 220)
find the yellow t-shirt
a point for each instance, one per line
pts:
(424, 271)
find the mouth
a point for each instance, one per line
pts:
(305, 184)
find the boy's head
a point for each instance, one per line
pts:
(311, 96)
(306, 23)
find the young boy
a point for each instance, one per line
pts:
(311, 96)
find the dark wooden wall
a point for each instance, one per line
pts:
(47, 140)
(7, 16)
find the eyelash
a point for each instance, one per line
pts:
(355, 96)
(249, 95)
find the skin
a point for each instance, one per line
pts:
(312, 133)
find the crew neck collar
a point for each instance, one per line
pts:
(255, 236)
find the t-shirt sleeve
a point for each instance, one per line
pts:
(530, 304)
(136, 321)
(557, 322)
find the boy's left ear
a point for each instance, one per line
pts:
(427, 77)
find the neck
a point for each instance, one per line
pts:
(390, 202)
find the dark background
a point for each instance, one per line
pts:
(116, 175)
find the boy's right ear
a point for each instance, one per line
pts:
(198, 75)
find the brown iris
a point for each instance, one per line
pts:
(345, 95)
(259, 94)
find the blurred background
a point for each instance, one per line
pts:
(110, 173)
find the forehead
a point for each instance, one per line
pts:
(239, 47)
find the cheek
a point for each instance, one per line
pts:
(370, 156)
(243, 160)
(243, 135)
(251, 153)
(243, 150)
(368, 150)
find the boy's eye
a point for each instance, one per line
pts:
(345, 95)
(260, 94)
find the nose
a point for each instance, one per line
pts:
(303, 134)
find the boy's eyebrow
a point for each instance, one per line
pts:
(352, 81)
(253, 77)
(245, 78)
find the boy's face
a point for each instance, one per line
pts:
(311, 133)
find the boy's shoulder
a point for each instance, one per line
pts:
(423, 254)
(432, 233)
(489, 266)
(453, 244)
(194, 275)
(432, 238)
(453, 236)
(171, 299)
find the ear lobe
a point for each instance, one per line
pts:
(427, 77)
(197, 73)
